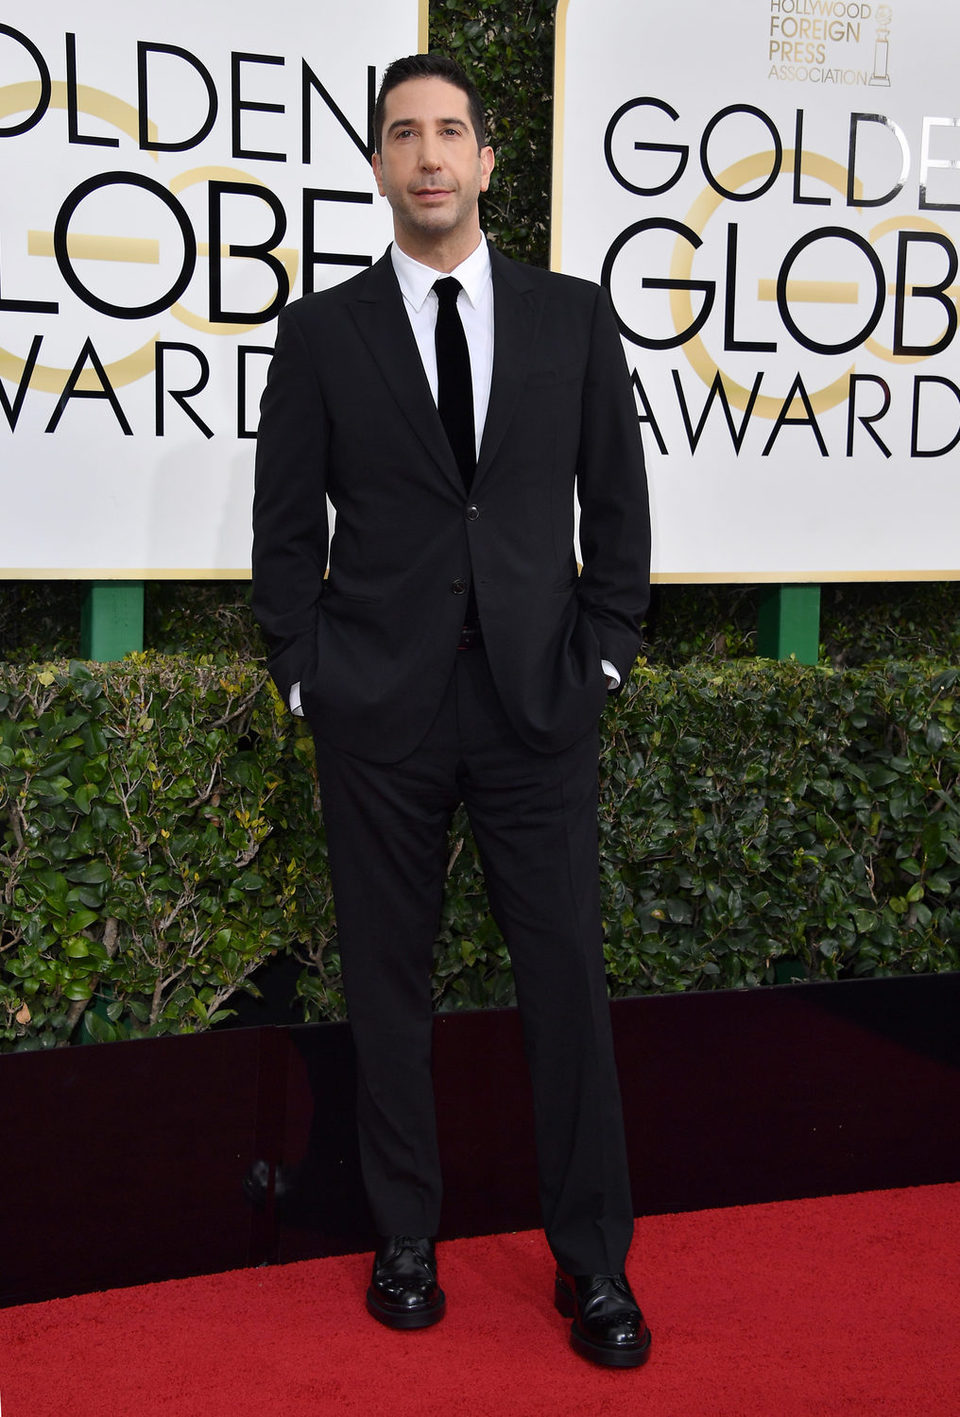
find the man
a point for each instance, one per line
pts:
(453, 654)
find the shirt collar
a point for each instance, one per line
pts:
(417, 280)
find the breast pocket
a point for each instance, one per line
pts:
(554, 377)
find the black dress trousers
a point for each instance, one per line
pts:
(534, 818)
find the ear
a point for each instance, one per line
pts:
(487, 163)
(378, 172)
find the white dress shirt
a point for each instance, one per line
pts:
(475, 308)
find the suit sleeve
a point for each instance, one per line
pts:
(614, 586)
(290, 529)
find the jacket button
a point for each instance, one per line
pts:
(473, 513)
(458, 586)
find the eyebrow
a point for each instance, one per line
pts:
(440, 122)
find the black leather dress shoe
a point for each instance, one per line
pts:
(608, 1326)
(403, 1289)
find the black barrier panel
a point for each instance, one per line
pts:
(126, 1163)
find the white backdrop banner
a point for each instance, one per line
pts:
(168, 182)
(770, 190)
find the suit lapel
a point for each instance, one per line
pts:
(515, 319)
(385, 328)
(383, 324)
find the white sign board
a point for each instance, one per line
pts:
(169, 180)
(770, 190)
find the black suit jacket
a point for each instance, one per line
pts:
(347, 414)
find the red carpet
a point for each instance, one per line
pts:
(844, 1305)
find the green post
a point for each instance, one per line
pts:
(111, 623)
(788, 623)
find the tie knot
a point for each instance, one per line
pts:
(448, 288)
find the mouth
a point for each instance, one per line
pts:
(431, 194)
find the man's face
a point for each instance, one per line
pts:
(429, 167)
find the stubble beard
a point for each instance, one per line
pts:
(434, 221)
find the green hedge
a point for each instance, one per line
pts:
(151, 815)
(159, 841)
(508, 51)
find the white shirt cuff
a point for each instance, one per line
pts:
(295, 705)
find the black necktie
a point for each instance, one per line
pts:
(454, 382)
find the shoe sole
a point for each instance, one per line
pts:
(405, 1318)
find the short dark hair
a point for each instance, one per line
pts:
(429, 66)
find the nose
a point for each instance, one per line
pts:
(429, 155)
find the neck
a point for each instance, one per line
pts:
(440, 254)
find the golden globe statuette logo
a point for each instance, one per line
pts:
(74, 246)
(747, 180)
